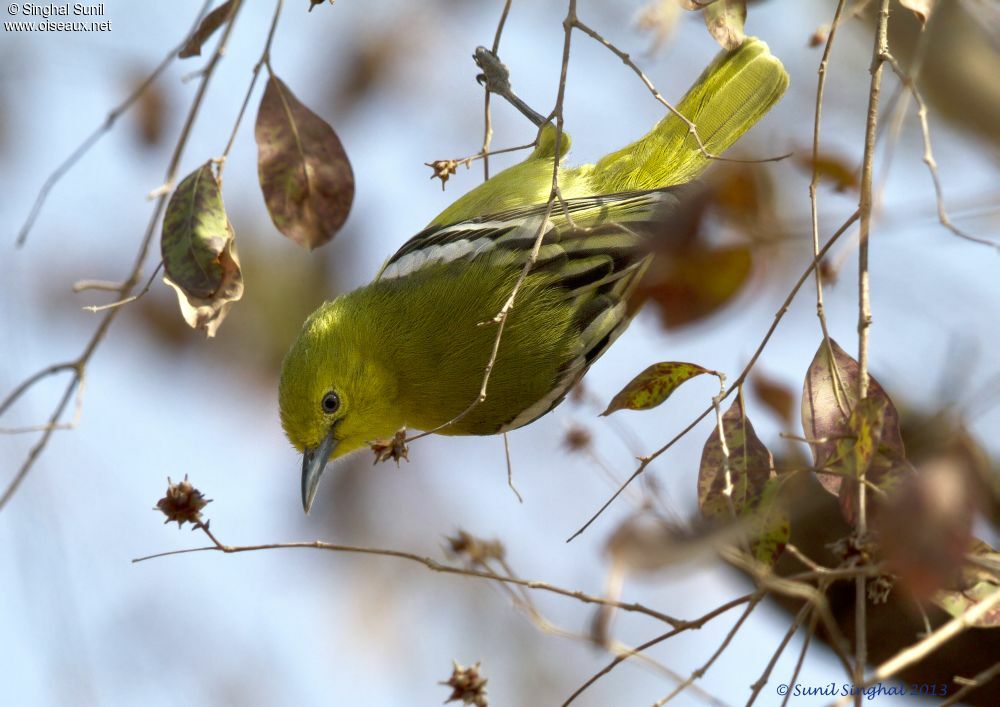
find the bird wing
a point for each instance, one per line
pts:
(588, 241)
(593, 250)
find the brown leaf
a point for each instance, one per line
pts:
(776, 396)
(208, 313)
(725, 19)
(654, 385)
(924, 530)
(212, 21)
(754, 483)
(689, 284)
(921, 8)
(831, 168)
(149, 116)
(829, 397)
(305, 175)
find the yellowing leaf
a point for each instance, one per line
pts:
(754, 484)
(212, 21)
(724, 19)
(957, 602)
(305, 175)
(845, 437)
(195, 232)
(654, 385)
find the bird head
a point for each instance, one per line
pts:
(334, 395)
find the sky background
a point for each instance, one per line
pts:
(83, 625)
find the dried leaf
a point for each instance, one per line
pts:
(957, 602)
(195, 232)
(691, 283)
(829, 396)
(149, 116)
(754, 483)
(659, 18)
(207, 313)
(776, 396)
(920, 8)
(305, 175)
(725, 19)
(925, 528)
(831, 168)
(654, 385)
(212, 21)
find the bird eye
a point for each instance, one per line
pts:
(331, 401)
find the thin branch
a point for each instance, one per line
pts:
(920, 650)
(762, 680)
(802, 657)
(879, 53)
(647, 460)
(697, 623)
(487, 117)
(692, 129)
(133, 279)
(265, 58)
(910, 84)
(978, 681)
(510, 468)
(99, 132)
(430, 564)
(700, 672)
(130, 298)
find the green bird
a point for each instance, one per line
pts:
(410, 348)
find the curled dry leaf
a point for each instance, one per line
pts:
(654, 385)
(921, 8)
(725, 19)
(835, 429)
(199, 251)
(754, 484)
(212, 21)
(207, 313)
(304, 173)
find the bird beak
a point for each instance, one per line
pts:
(313, 462)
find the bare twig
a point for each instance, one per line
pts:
(697, 623)
(645, 461)
(879, 53)
(971, 684)
(762, 680)
(802, 657)
(133, 279)
(700, 672)
(105, 127)
(692, 128)
(487, 117)
(910, 84)
(265, 58)
(920, 650)
(431, 564)
(510, 468)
